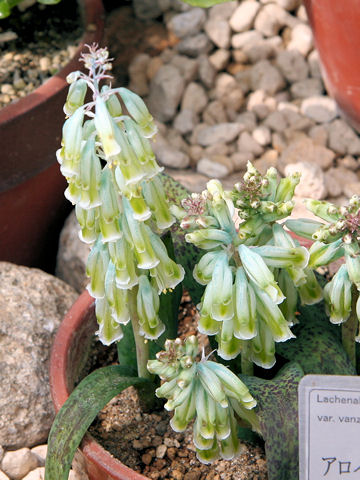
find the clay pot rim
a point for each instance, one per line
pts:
(93, 21)
(59, 360)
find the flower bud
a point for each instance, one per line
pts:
(75, 97)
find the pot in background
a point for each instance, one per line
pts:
(32, 203)
(335, 26)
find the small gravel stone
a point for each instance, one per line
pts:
(343, 139)
(219, 59)
(18, 463)
(161, 451)
(194, 98)
(219, 32)
(185, 121)
(343, 176)
(37, 474)
(187, 24)
(207, 71)
(220, 133)
(292, 65)
(212, 168)
(3, 476)
(301, 39)
(264, 76)
(271, 19)
(166, 90)
(40, 451)
(262, 135)
(305, 88)
(241, 40)
(312, 181)
(351, 189)
(195, 45)
(320, 108)
(247, 143)
(243, 17)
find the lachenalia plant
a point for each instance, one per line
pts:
(253, 269)
(119, 202)
(336, 237)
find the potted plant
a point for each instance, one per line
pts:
(31, 201)
(254, 282)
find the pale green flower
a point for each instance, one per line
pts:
(337, 294)
(69, 155)
(109, 329)
(96, 267)
(89, 224)
(208, 238)
(90, 175)
(148, 303)
(245, 318)
(138, 110)
(323, 254)
(75, 97)
(154, 195)
(106, 127)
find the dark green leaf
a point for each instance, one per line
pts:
(277, 411)
(317, 346)
(186, 254)
(126, 349)
(79, 411)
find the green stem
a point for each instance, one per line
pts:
(349, 329)
(142, 345)
(247, 366)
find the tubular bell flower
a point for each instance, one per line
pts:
(206, 390)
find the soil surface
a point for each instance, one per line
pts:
(146, 443)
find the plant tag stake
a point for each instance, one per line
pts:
(329, 427)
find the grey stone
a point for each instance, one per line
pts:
(314, 64)
(214, 113)
(220, 59)
(288, 4)
(322, 109)
(262, 135)
(240, 160)
(319, 134)
(194, 98)
(243, 17)
(241, 40)
(247, 143)
(247, 120)
(188, 23)
(261, 50)
(351, 189)
(166, 89)
(307, 88)
(265, 76)
(301, 39)
(194, 46)
(218, 31)
(19, 463)
(348, 162)
(146, 9)
(223, 11)
(72, 255)
(220, 133)
(168, 155)
(188, 67)
(261, 104)
(343, 139)
(306, 149)
(212, 168)
(343, 176)
(32, 305)
(276, 121)
(292, 65)
(138, 74)
(312, 181)
(193, 181)
(332, 185)
(185, 121)
(207, 72)
(271, 19)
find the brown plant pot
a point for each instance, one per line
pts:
(69, 354)
(32, 203)
(335, 26)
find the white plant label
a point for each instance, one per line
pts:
(329, 427)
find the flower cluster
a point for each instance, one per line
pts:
(338, 237)
(254, 270)
(206, 390)
(119, 200)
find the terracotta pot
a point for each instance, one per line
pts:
(69, 354)
(335, 25)
(32, 203)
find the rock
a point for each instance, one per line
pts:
(301, 39)
(292, 65)
(288, 4)
(169, 155)
(309, 87)
(343, 139)
(247, 120)
(217, 149)
(40, 451)
(351, 189)
(314, 64)
(153, 66)
(194, 98)
(241, 40)
(32, 305)
(188, 67)
(18, 463)
(214, 113)
(322, 109)
(138, 74)
(262, 49)
(240, 160)
(212, 168)
(260, 104)
(264, 76)
(193, 181)
(37, 474)
(271, 19)
(3, 476)
(219, 32)
(343, 176)
(194, 46)
(219, 59)
(187, 24)
(348, 162)
(72, 255)
(247, 143)
(185, 121)
(319, 135)
(195, 153)
(267, 160)
(166, 90)
(262, 135)
(276, 121)
(306, 149)
(2, 453)
(332, 185)
(207, 72)
(220, 133)
(243, 17)
(222, 11)
(146, 9)
(160, 451)
(312, 181)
